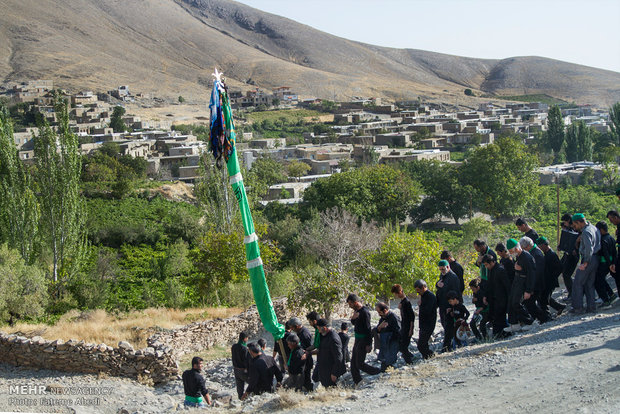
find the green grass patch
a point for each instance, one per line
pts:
(458, 156)
(291, 115)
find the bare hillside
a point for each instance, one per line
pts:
(169, 47)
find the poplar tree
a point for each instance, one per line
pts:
(584, 140)
(58, 166)
(572, 144)
(614, 117)
(19, 211)
(555, 131)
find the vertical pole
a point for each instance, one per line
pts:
(557, 187)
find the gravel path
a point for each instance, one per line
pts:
(571, 364)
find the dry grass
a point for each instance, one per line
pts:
(97, 326)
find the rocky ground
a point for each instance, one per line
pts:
(571, 364)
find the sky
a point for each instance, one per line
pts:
(586, 32)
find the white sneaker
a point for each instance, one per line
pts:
(526, 327)
(513, 328)
(598, 301)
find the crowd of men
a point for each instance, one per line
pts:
(513, 289)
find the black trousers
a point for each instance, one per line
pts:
(532, 307)
(603, 290)
(499, 319)
(403, 346)
(241, 377)
(482, 333)
(423, 340)
(547, 300)
(569, 264)
(616, 276)
(308, 385)
(358, 360)
(516, 311)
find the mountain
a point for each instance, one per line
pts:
(169, 48)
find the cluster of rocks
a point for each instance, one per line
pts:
(198, 336)
(149, 364)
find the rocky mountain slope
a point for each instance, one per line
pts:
(169, 48)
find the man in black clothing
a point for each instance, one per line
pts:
(539, 258)
(363, 339)
(330, 362)
(526, 229)
(614, 217)
(241, 362)
(481, 247)
(344, 339)
(305, 340)
(295, 363)
(506, 261)
(448, 282)
(388, 330)
(570, 259)
(607, 256)
(498, 293)
(194, 386)
(553, 269)
(455, 267)
(261, 372)
(522, 288)
(407, 317)
(427, 317)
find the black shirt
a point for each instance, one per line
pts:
(450, 283)
(330, 360)
(362, 322)
(553, 269)
(305, 338)
(428, 311)
(194, 383)
(393, 324)
(459, 272)
(240, 356)
(260, 374)
(295, 363)
(344, 339)
(608, 251)
(407, 316)
(458, 311)
(539, 259)
(509, 266)
(531, 233)
(499, 287)
(528, 270)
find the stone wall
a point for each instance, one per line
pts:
(156, 364)
(198, 336)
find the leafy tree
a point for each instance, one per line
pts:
(19, 211)
(555, 130)
(572, 143)
(297, 168)
(402, 258)
(275, 102)
(265, 172)
(501, 176)
(584, 139)
(379, 193)
(219, 258)
(181, 99)
(57, 176)
(443, 187)
(469, 92)
(116, 120)
(614, 117)
(23, 294)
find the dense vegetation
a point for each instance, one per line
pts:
(106, 239)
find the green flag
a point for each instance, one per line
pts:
(223, 139)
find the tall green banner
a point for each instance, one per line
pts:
(222, 137)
